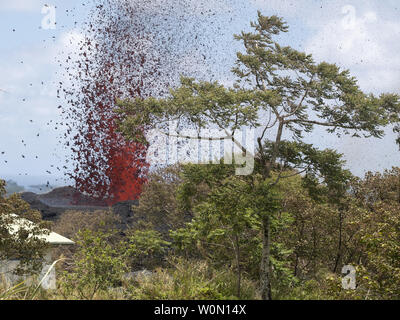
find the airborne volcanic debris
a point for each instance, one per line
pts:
(128, 49)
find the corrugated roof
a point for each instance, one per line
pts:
(52, 238)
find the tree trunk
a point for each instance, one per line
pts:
(265, 274)
(339, 252)
(296, 264)
(398, 191)
(265, 271)
(239, 270)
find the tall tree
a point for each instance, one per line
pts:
(278, 90)
(224, 227)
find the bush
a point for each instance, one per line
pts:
(27, 244)
(189, 280)
(145, 248)
(97, 267)
(72, 222)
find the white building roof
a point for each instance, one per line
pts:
(52, 238)
(55, 238)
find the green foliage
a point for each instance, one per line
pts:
(189, 280)
(279, 88)
(145, 248)
(312, 239)
(97, 266)
(13, 292)
(222, 223)
(146, 242)
(158, 203)
(71, 222)
(226, 226)
(25, 243)
(294, 222)
(274, 78)
(382, 268)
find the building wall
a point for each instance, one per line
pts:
(7, 275)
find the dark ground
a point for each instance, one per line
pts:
(53, 204)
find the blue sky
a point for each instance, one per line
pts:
(362, 36)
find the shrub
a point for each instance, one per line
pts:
(72, 222)
(26, 244)
(145, 248)
(97, 266)
(189, 280)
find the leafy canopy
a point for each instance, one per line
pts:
(275, 85)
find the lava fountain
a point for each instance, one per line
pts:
(129, 49)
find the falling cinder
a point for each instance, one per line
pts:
(130, 49)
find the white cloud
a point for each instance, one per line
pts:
(363, 42)
(34, 64)
(28, 99)
(21, 5)
(280, 7)
(360, 37)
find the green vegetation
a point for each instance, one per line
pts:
(281, 91)
(283, 231)
(217, 254)
(25, 243)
